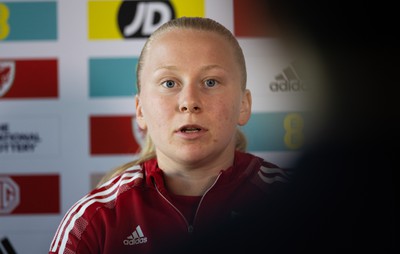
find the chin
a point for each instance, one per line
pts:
(191, 156)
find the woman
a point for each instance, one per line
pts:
(193, 173)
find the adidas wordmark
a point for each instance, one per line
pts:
(137, 237)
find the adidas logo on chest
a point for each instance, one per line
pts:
(137, 237)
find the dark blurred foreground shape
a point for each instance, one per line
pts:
(341, 196)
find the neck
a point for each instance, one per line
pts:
(192, 180)
(187, 185)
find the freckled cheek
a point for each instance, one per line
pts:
(225, 118)
(158, 113)
(227, 112)
(225, 127)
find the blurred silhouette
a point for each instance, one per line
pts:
(341, 196)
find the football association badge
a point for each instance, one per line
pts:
(7, 74)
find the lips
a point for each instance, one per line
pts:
(191, 129)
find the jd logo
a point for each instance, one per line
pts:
(138, 19)
(7, 73)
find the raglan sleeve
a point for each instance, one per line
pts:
(77, 233)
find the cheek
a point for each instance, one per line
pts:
(225, 120)
(228, 110)
(157, 111)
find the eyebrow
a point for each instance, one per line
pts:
(204, 68)
(168, 67)
(212, 66)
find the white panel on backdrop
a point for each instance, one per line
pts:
(29, 136)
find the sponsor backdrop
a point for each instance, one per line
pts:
(67, 86)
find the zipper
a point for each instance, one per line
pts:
(190, 227)
(201, 200)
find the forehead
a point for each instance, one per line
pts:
(191, 45)
(186, 32)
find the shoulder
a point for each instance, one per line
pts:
(264, 173)
(271, 173)
(78, 217)
(130, 177)
(108, 193)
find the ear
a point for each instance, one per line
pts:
(139, 114)
(245, 108)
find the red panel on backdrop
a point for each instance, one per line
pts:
(36, 78)
(112, 135)
(251, 19)
(29, 194)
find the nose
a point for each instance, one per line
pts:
(189, 100)
(190, 108)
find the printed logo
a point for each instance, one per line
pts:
(280, 131)
(7, 72)
(4, 26)
(29, 194)
(251, 19)
(137, 237)
(136, 19)
(21, 21)
(28, 136)
(9, 195)
(28, 79)
(288, 81)
(111, 135)
(147, 17)
(112, 77)
(6, 246)
(272, 175)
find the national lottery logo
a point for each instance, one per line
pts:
(29, 136)
(7, 74)
(17, 142)
(135, 19)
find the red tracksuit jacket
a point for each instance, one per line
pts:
(134, 213)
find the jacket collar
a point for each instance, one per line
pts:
(242, 167)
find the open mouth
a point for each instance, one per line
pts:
(190, 129)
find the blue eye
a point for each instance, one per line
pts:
(210, 82)
(168, 84)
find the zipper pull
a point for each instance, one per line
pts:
(190, 228)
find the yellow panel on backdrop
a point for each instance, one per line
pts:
(103, 16)
(193, 8)
(102, 20)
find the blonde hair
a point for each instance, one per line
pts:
(197, 23)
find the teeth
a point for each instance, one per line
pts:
(191, 130)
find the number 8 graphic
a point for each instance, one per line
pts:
(293, 124)
(4, 27)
